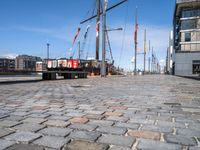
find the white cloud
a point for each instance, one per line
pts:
(10, 55)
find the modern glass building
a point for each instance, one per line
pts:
(186, 60)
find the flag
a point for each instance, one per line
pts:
(97, 28)
(86, 32)
(106, 4)
(145, 48)
(77, 33)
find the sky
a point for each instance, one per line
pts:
(27, 25)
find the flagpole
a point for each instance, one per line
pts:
(136, 26)
(79, 50)
(152, 64)
(149, 56)
(144, 50)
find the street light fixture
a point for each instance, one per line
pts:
(115, 29)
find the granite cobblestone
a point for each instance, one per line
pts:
(161, 111)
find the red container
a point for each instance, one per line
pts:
(75, 63)
(70, 63)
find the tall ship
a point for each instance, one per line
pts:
(90, 65)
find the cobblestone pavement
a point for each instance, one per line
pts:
(116, 113)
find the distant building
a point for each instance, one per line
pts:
(41, 66)
(169, 55)
(26, 63)
(7, 65)
(186, 57)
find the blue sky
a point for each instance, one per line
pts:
(27, 25)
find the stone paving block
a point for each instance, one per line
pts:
(4, 132)
(5, 144)
(192, 110)
(15, 118)
(3, 116)
(74, 114)
(79, 120)
(3, 111)
(161, 118)
(22, 136)
(40, 107)
(194, 148)
(52, 142)
(111, 130)
(127, 125)
(177, 139)
(116, 118)
(96, 117)
(94, 112)
(84, 135)
(141, 121)
(83, 145)
(53, 131)
(144, 134)
(25, 147)
(113, 114)
(186, 120)
(171, 124)
(194, 126)
(42, 112)
(22, 113)
(56, 123)
(38, 115)
(145, 144)
(119, 107)
(157, 128)
(34, 120)
(54, 113)
(56, 109)
(65, 118)
(189, 132)
(9, 123)
(114, 147)
(117, 140)
(73, 110)
(32, 127)
(101, 122)
(88, 127)
(134, 116)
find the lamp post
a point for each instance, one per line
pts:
(48, 45)
(103, 65)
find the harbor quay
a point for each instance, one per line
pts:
(150, 112)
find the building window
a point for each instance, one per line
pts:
(190, 13)
(187, 37)
(189, 24)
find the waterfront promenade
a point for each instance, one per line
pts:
(151, 112)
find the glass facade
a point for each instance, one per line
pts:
(190, 13)
(190, 24)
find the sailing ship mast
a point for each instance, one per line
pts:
(97, 29)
